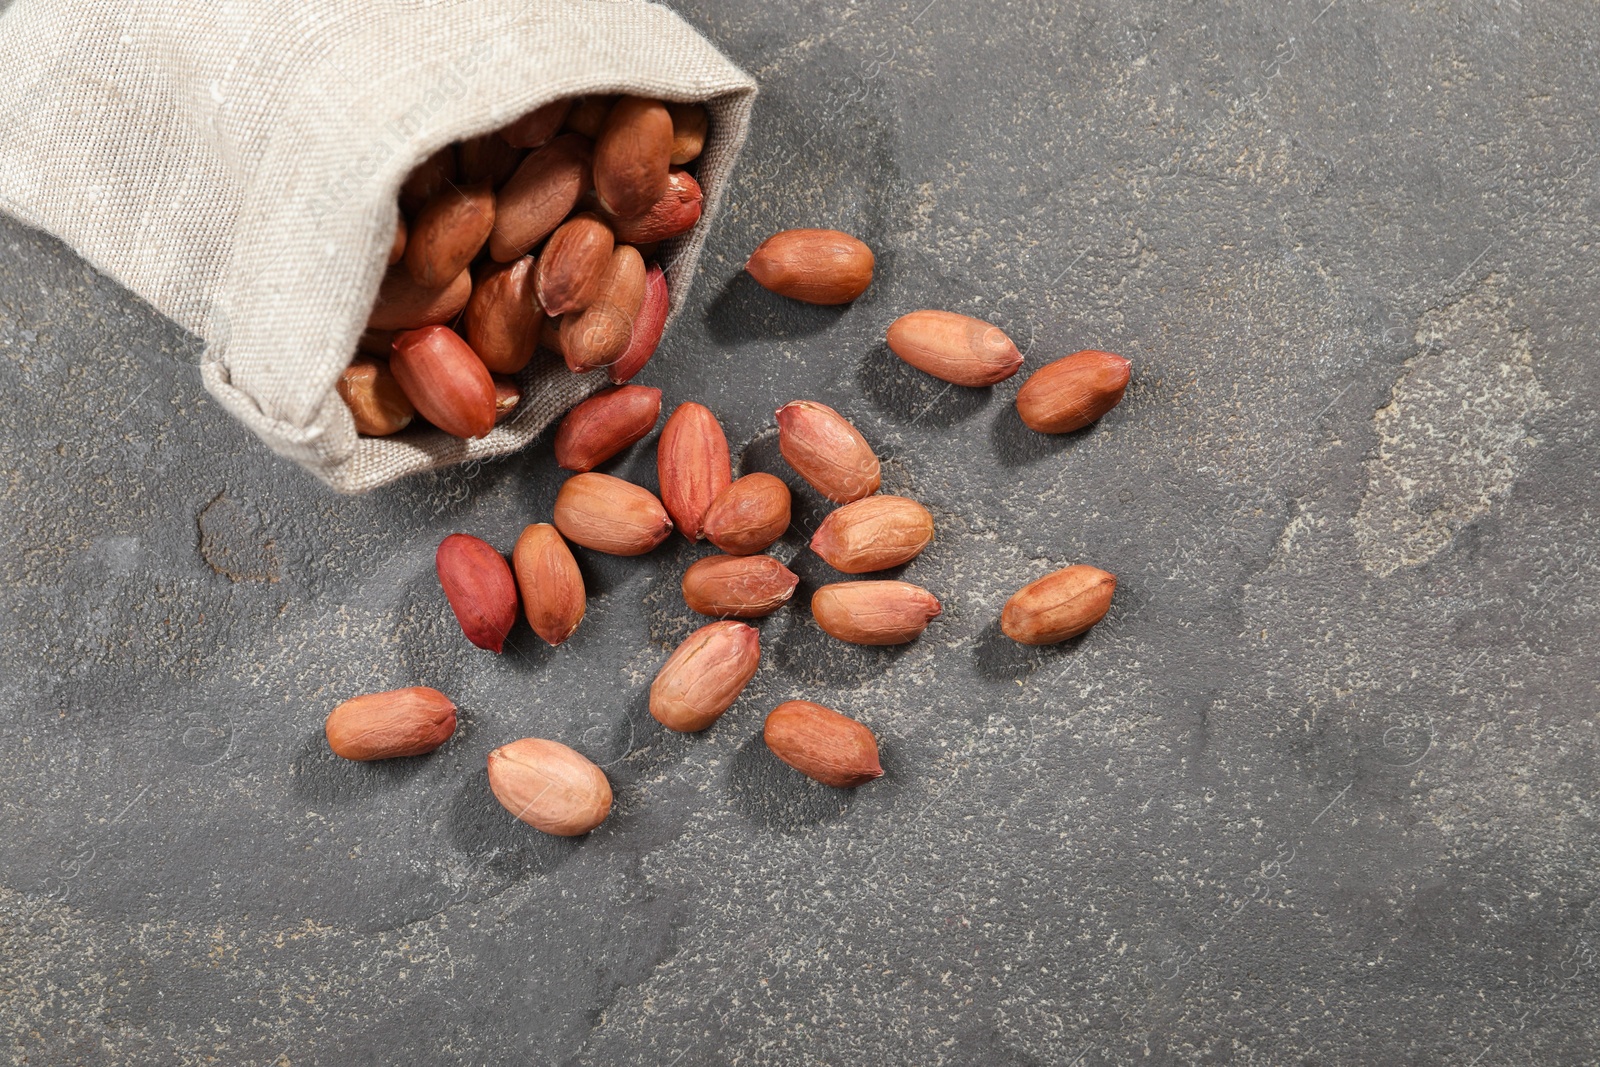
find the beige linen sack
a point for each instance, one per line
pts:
(236, 164)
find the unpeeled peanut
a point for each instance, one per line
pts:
(822, 744)
(704, 676)
(375, 342)
(503, 316)
(827, 451)
(552, 590)
(610, 515)
(693, 464)
(445, 380)
(549, 786)
(605, 424)
(813, 266)
(448, 232)
(632, 154)
(599, 334)
(488, 158)
(874, 613)
(376, 402)
(588, 114)
(648, 325)
(550, 334)
(432, 174)
(673, 214)
(738, 587)
(1062, 604)
(623, 281)
(1073, 392)
(573, 264)
(402, 304)
(594, 337)
(397, 247)
(402, 722)
(542, 192)
(688, 132)
(954, 348)
(748, 515)
(478, 583)
(873, 534)
(535, 128)
(507, 396)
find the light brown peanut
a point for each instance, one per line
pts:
(542, 192)
(598, 335)
(377, 403)
(748, 515)
(610, 515)
(704, 676)
(402, 304)
(503, 316)
(1062, 604)
(873, 534)
(402, 722)
(813, 266)
(822, 744)
(632, 154)
(552, 590)
(954, 348)
(549, 786)
(572, 266)
(688, 132)
(874, 613)
(648, 325)
(738, 587)
(827, 451)
(1073, 392)
(594, 337)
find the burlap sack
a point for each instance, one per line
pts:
(236, 163)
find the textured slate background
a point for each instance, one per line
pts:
(1321, 787)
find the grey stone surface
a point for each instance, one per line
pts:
(1321, 788)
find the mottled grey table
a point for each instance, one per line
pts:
(1321, 787)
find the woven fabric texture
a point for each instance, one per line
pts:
(236, 164)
